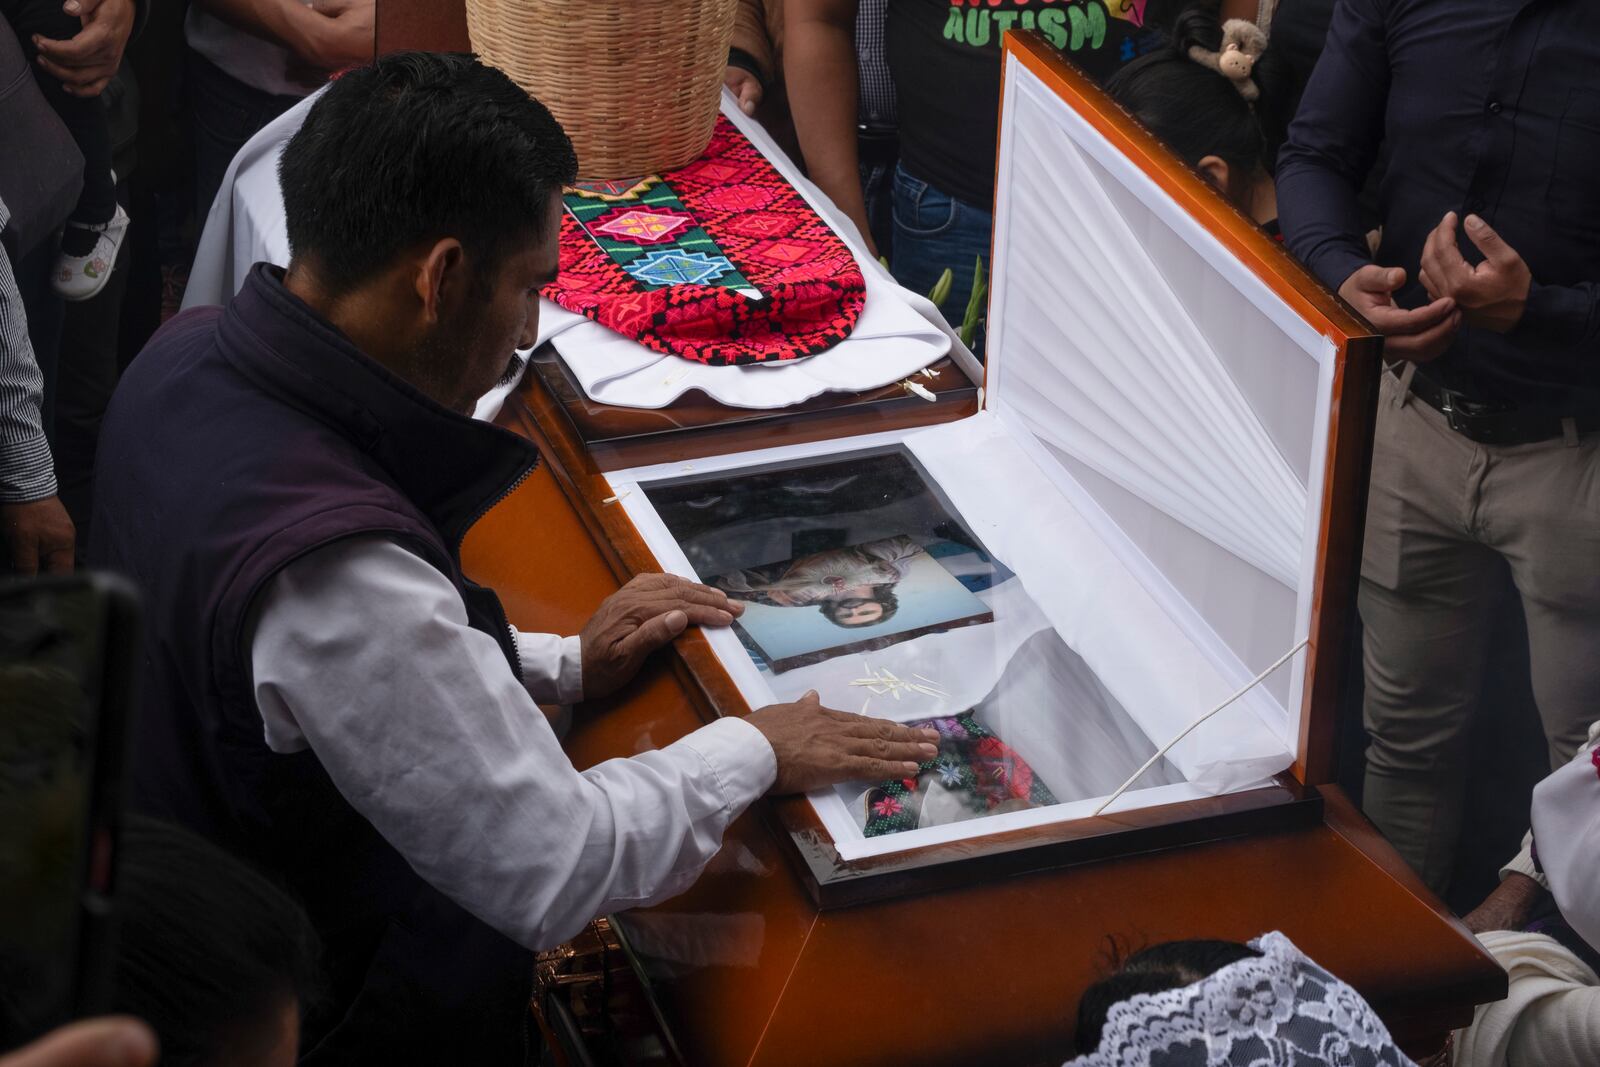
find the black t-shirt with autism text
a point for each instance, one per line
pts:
(945, 59)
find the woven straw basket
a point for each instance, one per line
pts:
(636, 83)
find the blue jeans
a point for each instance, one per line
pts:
(877, 187)
(934, 231)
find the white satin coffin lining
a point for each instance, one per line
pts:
(1104, 362)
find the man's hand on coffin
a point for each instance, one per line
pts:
(1418, 334)
(37, 536)
(1508, 907)
(639, 618)
(818, 747)
(1491, 295)
(745, 87)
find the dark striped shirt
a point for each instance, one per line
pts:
(876, 88)
(26, 472)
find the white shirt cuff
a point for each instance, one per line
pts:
(741, 758)
(552, 667)
(1522, 863)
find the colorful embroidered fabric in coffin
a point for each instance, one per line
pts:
(663, 259)
(650, 234)
(984, 774)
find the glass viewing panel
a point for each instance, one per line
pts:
(861, 581)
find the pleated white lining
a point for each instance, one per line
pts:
(1118, 375)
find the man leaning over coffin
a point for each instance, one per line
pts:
(288, 479)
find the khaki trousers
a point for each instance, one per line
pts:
(1448, 520)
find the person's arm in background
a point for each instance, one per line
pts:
(1522, 887)
(819, 67)
(1332, 143)
(750, 55)
(34, 527)
(1523, 884)
(329, 36)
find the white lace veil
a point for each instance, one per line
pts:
(1276, 1010)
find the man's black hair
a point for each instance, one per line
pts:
(1171, 965)
(209, 952)
(1196, 110)
(420, 146)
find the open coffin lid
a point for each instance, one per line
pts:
(1160, 499)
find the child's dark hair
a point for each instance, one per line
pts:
(1171, 965)
(1197, 111)
(209, 953)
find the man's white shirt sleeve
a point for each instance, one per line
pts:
(361, 651)
(552, 666)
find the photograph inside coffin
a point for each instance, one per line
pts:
(1125, 537)
(860, 581)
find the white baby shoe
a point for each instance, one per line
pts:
(80, 277)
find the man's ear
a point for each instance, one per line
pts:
(441, 279)
(1215, 169)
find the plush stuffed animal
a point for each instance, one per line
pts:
(1242, 44)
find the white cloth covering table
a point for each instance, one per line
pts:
(897, 334)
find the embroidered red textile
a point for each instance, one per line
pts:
(634, 260)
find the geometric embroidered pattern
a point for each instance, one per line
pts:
(672, 266)
(622, 228)
(739, 198)
(784, 252)
(713, 172)
(759, 226)
(643, 227)
(720, 261)
(626, 189)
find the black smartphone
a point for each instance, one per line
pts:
(68, 650)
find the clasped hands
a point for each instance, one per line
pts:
(1489, 296)
(814, 746)
(86, 62)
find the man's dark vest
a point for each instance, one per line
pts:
(238, 441)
